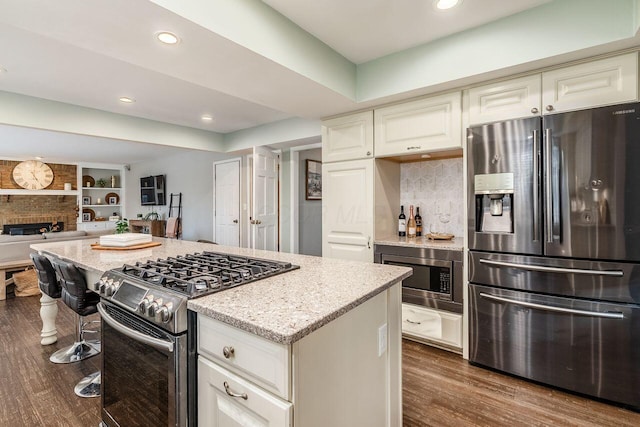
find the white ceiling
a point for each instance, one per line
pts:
(362, 30)
(90, 53)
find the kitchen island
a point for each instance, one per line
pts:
(332, 328)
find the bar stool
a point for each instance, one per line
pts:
(77, 296)
(47, 279)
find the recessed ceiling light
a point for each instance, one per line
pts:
(446, 4)
(167, 37)
(3, 70)
(126, 100)
(206, 118)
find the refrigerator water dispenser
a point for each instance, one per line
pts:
(494, 202)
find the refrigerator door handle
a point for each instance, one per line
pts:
(553, 308)
(530, 267)
(535, 185)
(548, 198)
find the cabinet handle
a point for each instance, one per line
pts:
(549, 108)
(534, 110)
(232, 394)
(369, 243)
(228, 351)
(415, 323)
(414, 148)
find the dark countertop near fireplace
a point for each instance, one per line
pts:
(282, 308)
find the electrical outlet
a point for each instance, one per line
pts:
(382, 339)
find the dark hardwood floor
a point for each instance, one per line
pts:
(440, 388)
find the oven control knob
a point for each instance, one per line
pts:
(108, 290)
(153, 307)
(143, 306)
(164, 314)
(101, 286)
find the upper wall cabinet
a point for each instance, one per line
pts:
(606, 81)
(505, 100)
(432, 124)
(348, 138)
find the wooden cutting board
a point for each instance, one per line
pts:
(97, 246)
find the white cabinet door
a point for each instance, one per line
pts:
(226, 400)
(603, 82)
(347, 210)
(506, 100)
(432, 124)
(348, 138)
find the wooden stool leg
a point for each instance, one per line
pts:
(3, 285)
(48, 314)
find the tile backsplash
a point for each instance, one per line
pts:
(436, 187)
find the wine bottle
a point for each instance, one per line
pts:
(402, 223)
(418, 222)
(411, 224)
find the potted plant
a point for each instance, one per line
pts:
(122, 226)
(101, 182)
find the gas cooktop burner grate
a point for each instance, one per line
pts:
(203, 273)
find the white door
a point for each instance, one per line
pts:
(347, 210)
(227, 203)
(264, 218)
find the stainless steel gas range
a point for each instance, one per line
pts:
(149, 337)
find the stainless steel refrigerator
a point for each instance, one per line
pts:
(554, 239)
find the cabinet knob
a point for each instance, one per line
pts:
(228, 351)
(235, 221)
(534, 110)
(368, 153)
(549, 108)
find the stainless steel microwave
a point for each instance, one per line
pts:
(437, 275)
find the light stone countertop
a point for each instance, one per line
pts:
(456, 244)
(282, 308)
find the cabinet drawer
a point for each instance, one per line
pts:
(259, 360)
(220, 401)
(420, 322)
(98, 225)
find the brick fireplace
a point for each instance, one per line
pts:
(38, 208)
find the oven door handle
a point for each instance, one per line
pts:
(553, 308)
(616, 273)
(133, 334)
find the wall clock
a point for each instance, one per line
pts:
(33, 175)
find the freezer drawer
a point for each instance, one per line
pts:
(582, 346)
(591, 280)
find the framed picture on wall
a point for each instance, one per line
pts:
(313, 182)
(86, 200)
(86, 217)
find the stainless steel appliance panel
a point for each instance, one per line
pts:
(436, 281)
(592, 177)
(143, 371)
(596, 280)
(497, 150)
(584, 346)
